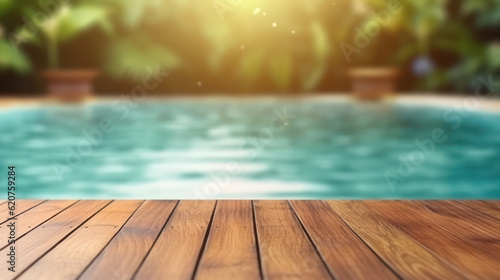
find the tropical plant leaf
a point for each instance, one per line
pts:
(312, 76)
(134, 11)
(280, 69)
(79, 19)
(5, 6)
(13, 58)
(493, 57)
(134, 56)
(320, 41)
(251, 66)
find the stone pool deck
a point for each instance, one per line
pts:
(245, 239)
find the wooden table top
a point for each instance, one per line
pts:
(245, 239)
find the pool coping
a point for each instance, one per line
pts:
(455, 101)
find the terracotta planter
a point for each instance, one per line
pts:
(69, 85)
(373, 83)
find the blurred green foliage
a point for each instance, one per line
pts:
(10, 56)
(288, 44)
(49, 23)
(476, 58)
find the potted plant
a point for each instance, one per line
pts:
(412, 23)
(372, 83)
(61, 26)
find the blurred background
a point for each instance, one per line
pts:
(289, 147)
(241, 46)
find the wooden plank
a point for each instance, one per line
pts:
(462, 222)
(479, 230)
(462, 216)
(231, 249)
(346, 255)
(285, 250)
(40, 240)
(408, 258)
(125, 253)
(417, 239)
(34, 217)
(176, 252)
(69, 258)
(21, 207)
(490, 208)
(420, 225)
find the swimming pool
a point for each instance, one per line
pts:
(251, 148)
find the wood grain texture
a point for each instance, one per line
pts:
(42, 239)
(488, 207)
(415, 222)
(346, 255)
(479, 233)
(285, 250)
(176, 252)
(408, 258)
(125, 253)
(459, 216)
(34, 217)
(21, 207)
(231, 250)
(254, 240)
(75, 253)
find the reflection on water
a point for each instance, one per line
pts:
(249, 149)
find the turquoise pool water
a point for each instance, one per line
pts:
(251, 149)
